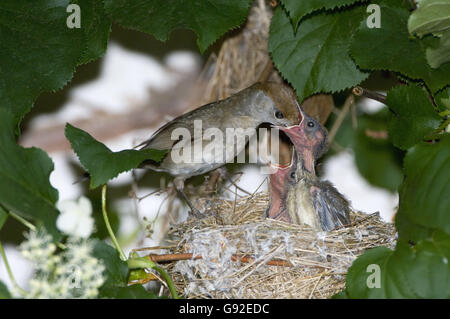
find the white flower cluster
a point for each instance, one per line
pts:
(73, 273)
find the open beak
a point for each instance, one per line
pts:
(295, 133)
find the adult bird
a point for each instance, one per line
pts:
(212, 135)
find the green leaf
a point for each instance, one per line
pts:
(391, 48)
(24, 174)
(96, 26)
(376, 159)
(298, 9)
(116, 270)
(441, 54)
(3, 217)
(431, 16)
(38, 52)
(340, 295)
(208, 19)
(101, 163)
(424, 200)
(421, 271)
(315, 58)
(4, 293)
(443, 99)
(130, 292)
(357, 276)
(414, 116)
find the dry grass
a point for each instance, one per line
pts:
(319, 260)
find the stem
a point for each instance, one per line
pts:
(359, 91)
(8, 269)
(142, 262)
(23, 221)
(168, 280)
(108, 226)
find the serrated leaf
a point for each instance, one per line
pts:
(116, 270)
(431, 16)
(96, 26)
(298, 9)
(421, 271)
(4, 293)
(376, 159)
(101, 163)
(208, 19)
(424, 200)
(414, 116)
(38, 52)
(440, 54)
(315, 58)
(24, 178)
(391, 48)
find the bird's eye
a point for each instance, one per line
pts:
(311, 124)
(279, 115)
(292, 175)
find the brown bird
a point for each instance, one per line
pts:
(232, 122)
(308, 200)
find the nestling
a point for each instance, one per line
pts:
(308, 200)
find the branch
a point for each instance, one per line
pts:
(245, 259)
(359, 91)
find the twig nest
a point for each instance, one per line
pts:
(242, 254)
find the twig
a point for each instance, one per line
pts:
(315, 286)
(337, 124)
(234, 257)
(359, 91)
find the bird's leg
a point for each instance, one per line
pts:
(179, 186)
(212, 182)
(224, 174)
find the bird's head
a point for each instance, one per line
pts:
(280, 181)
(309, 138)
(277, 104)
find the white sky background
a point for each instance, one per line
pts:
(125, 80)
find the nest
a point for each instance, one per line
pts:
(236, 252)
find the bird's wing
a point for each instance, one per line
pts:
(332, 207)
(161, 138)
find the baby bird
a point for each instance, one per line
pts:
(308, 200)
(279, 184)
(240, 114)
